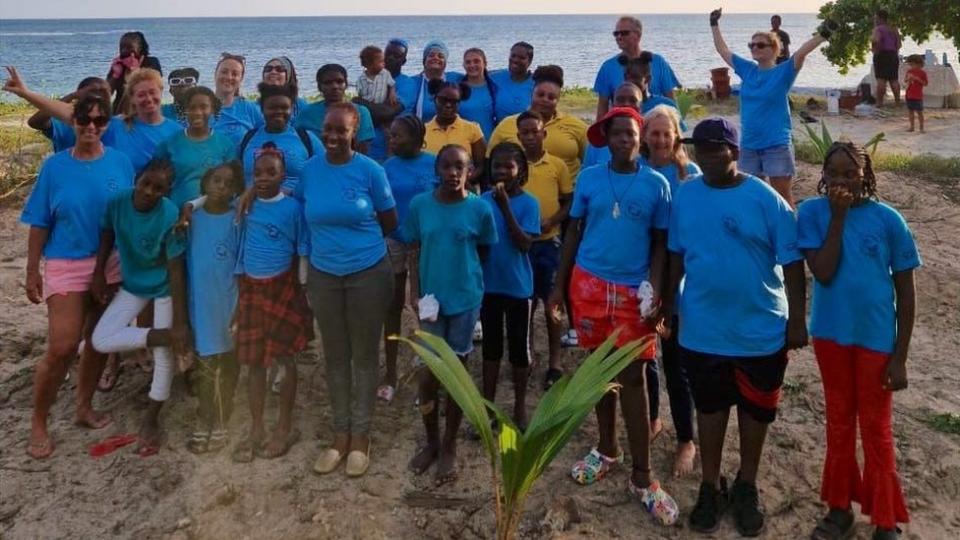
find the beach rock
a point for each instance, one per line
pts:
(563, 512)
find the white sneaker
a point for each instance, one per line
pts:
(477, 332)
(570, 339)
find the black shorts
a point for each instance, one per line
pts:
(886, 66)
(751, 383)
(915, 105)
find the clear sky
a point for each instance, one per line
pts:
(69, 9)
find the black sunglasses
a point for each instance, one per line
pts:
(84, 120)
(279, 69)
(758, 45)
(621, 33)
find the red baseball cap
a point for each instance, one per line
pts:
(596, 133)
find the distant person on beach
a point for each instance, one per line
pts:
(885, 44)
(61, 133)
(382, 114)
(63, 212)
(179, 80)
(332, 84)
(915, 80)
(766, 146)
(627, 33)
(863, 258)
(134, 54)
(279, 71)
(376, 84)
(775, 23)
(514, 84)
(237, 114)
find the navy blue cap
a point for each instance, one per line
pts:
(714, 130)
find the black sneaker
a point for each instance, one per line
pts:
(886, 534)
(745, 506)
(711, 503)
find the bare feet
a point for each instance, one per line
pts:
(683, 461)
(446, 471)
(656, 428)
(280, 443)
(40, 446)
(910, 130)
(92, 419)
(150, 439)
(423, 459)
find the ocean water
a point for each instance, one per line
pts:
(53, 55)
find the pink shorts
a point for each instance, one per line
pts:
(62, 276)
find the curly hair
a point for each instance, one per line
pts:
(203, 91)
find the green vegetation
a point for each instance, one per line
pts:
(944, 423)
(522, 457)
(916, 19)
(821, 142)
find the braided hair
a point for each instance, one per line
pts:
(415, 126)
(515, 152)
(858, 155)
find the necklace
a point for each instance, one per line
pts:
(619, 197)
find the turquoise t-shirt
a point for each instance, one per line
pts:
(145, 242)
(507, 270)
(70, 198)
(764, 103)
(619, 211)
(733, 242)
(858, 306)
(449, 235)
(311, 119)
(138, 140)
(213, 242)
(274, 233)
(237, 119)
(340, 203)
(408, 178)
(512, 97)
(191, 160)
(610, 76)
(295, 153)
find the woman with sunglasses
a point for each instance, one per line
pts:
(279, 71)
(627, 33)
(237, 115)
(766, 148)
(63, 212)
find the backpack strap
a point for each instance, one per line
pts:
(305, 139)
(245, 141)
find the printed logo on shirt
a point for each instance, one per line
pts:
(870, 245)
(147, 243)
(210, 161)
(635, 210)
(349, 194)
(424, 180)
(273, 231)
(463, 235)
(362, 203)
(221, 250)
(112, 184)
(731, 224)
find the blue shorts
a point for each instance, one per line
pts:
(456, 330)
(914, 104)
(545, 259)
(773, 161)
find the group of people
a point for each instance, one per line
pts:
(242, 224)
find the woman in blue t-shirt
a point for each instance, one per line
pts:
(349, 208)
(63, 212)
(237, 116)
(480, 107)
(332, 84)
(279, 71)
(415, 96)
(766, 147)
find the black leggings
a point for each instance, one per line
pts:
(678, 386)
(516, 311)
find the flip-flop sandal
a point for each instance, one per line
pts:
(111, 374)
(112, 444)
(219, 438)
(386, 392)
(199, 442)
(245, 450)
(292, 438)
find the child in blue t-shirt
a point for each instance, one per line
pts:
(213, 243)
(273, 320)
(862, 256)
(455, 229)
(508, 275)
(139, 222)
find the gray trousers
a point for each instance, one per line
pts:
(350, 311)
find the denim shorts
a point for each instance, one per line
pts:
(545, 259)
(773, 161)
(456, 330)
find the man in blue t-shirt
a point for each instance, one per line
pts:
(733, 242)
(628, 33)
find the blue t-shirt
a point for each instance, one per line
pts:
(507, 270)
(139, 140)
(311, 119)
(858, 306)
(449, 235)
(610, 76)
(672, 173)
(733, 242)
(764, 103)
(340, 203)
(412, 89)
(480, 107)
(512, 97)
(237, 119)
(298, 107)
(294, 151)
(61, 135)
(171, 111)
(191, 159)
(644, 204)
(213, 242)
(273, 234)
(408, 178)
(69, 198)
(145, 242)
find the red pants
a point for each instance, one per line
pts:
(853, 391)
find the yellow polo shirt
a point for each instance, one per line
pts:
(462, 132)
(566, 139)
(548, 179)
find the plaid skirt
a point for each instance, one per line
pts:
(274, 320)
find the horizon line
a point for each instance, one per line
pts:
(405, 15)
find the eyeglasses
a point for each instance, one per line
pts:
(83, 120)
(182, 81)
(275, 67)
(758, 45)
(621, 33)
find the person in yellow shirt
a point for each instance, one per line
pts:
(566, 135)
(447, 127)
(549, 181)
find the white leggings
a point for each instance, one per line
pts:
(113, 334)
